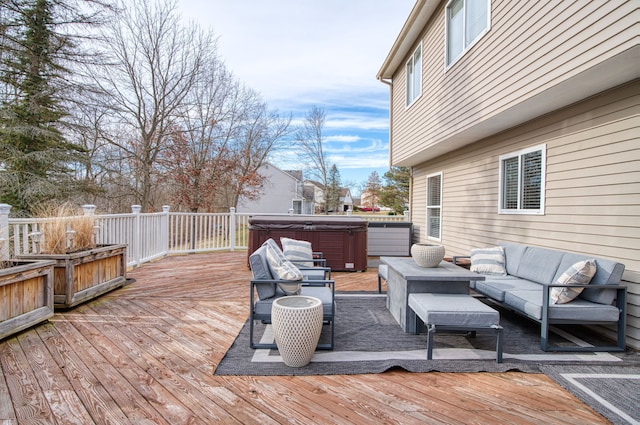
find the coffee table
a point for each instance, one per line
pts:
(406, 277)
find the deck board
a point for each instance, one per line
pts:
(146, 353)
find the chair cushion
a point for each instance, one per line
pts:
(283, 269)
(488, 261)
(263, 307)
(296, 250)
(261, 271)
(579, 273)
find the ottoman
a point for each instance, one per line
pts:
(455, 312)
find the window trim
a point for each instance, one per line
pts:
(543, 173)
(428, 207)
(413, 66)
(448, 63)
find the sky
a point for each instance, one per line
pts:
(303, 53)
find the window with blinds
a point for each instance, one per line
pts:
(434, 206)
(522, 181)
(466, 22)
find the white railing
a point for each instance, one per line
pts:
(149, 235)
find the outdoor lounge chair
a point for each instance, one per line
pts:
(265, 284)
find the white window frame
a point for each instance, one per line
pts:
(467, 45)
(520, 154)
(413, 90)
(430, 208)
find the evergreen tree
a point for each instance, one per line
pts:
(333, 190)
(35, 158)
(395, 193)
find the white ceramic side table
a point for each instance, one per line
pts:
(297, 324)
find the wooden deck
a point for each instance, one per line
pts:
(145, 354)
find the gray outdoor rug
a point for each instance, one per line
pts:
(369, 340)
(613, 391)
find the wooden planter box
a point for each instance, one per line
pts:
(84, 275)
(26, 295)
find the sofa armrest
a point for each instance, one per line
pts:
(326, 270)
(326, 282)
(621, 295)
(319, 262)
(455, 258)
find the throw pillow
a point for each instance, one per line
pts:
(298, 251)
(488, 261)
(283, 269)
(580, 273)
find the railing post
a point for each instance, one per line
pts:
(232, 228)
(406, 215)
(137, 237)
(165, 227)
(4, 231)
(89, 209)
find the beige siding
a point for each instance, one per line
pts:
(530, 48)
(592, 188)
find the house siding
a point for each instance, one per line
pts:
(276, 195)
(528, 51)
(592, 197)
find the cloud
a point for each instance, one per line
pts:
(303, 53)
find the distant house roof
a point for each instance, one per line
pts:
(315, 183)
(297, 174)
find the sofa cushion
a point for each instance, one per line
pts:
(539, 264)
(608, 272)
(261, 271)
(579, 273)
(530, 303)
(496, 286)
(488, 261)
(512, 255)
(296, 250)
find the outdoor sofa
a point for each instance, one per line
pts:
(269, 286)
(531, 272)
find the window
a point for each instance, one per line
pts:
(434, 206)
(467, 20)
(414, 76)
(522, 181)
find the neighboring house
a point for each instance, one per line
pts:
(318, 190)
(346, 201)
(521, 122)
(318, 194)
(281, 191)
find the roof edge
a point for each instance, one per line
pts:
(420, 14)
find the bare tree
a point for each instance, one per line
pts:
(154, 62)
(227, 134)
(372, 190)
(311, 143)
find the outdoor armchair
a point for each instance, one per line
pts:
(266, 286)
